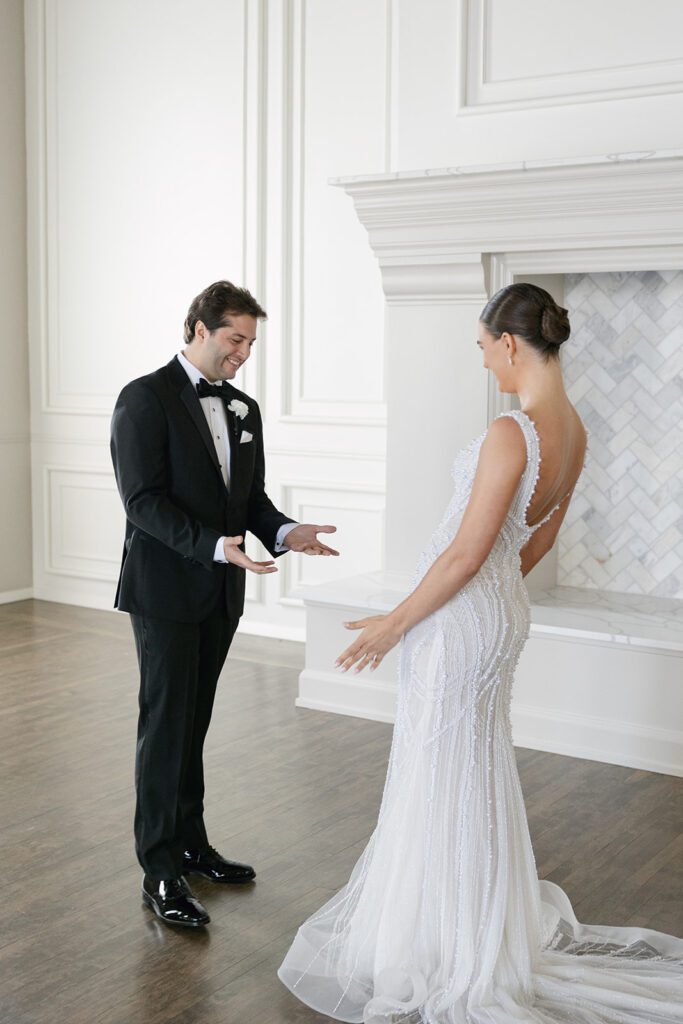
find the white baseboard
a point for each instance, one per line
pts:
(650, 748)
(10, 596)
(575, 735)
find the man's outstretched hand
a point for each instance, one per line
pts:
(234, 554)
(305, 538)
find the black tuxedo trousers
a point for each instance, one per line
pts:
(180, 663)
(184, 606)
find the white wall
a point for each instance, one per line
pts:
(490, 81)
(15, 505)
(167, 152)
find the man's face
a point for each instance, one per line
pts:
(220, 353)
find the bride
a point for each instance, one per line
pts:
(444, 919)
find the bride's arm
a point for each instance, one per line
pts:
(502, 459)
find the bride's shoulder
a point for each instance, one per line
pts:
(504, 443)
(506, 431)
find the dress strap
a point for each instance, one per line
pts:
(527, 485)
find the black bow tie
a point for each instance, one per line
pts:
(206, 390)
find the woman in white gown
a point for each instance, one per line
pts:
(444, 919)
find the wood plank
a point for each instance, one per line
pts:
(295, 792)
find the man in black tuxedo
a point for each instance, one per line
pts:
(188, 455)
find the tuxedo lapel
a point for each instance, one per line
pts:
(190, 399)
(234, 446)
(191, 402)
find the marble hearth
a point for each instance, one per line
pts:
(602, 674)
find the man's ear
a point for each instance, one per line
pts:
(200, 331)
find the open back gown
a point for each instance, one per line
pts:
(444, 919)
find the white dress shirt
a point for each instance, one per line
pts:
(217, 420)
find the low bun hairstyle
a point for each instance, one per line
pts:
(530, 312)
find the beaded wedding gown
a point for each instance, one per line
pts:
(444, 919)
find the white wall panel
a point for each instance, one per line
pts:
(357, 511)
(542, 50)
(340, 118)
(84, 522)
(144, 161)
(488, 81)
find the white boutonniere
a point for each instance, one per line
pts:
(238, 408)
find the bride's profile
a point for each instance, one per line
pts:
(444, 919)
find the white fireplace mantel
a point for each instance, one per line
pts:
(618, 201)
(445, 241)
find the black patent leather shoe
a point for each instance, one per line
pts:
(211, 865)
(171, 900)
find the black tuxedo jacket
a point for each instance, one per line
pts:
(177, 505)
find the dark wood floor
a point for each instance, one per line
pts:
(294, 792)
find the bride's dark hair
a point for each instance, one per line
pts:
(532, 313)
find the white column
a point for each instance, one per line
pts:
(436, 390)
(437, 393)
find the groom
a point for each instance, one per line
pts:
(188, 456)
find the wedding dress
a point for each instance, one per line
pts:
(444, 919)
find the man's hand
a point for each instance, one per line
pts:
(305, 538)
(235, 556)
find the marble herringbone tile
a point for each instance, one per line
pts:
(624, 371)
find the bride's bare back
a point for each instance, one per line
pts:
(562, 439)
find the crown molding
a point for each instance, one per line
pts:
(424, 217)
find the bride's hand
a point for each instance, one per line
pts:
(235, 556)
(378, 637)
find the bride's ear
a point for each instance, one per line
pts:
(510, 343)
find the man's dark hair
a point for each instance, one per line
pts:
(217, 302)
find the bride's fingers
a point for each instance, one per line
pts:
(345, 661)
(363, 663)
(350, 653)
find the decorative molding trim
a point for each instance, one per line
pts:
(622, 200)
(10, 596)
(391, 86)
(580, 261)
(418, 226)
(481, 94)
(290, 580)
(324, 420)
(311, 454)
(499, 275)
(255, 177)
(51, 522)
(296, 407)
(433, 281)
(42, 26)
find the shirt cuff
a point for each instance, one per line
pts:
(219, 553)
(280, 536)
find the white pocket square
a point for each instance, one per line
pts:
(246, 436)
